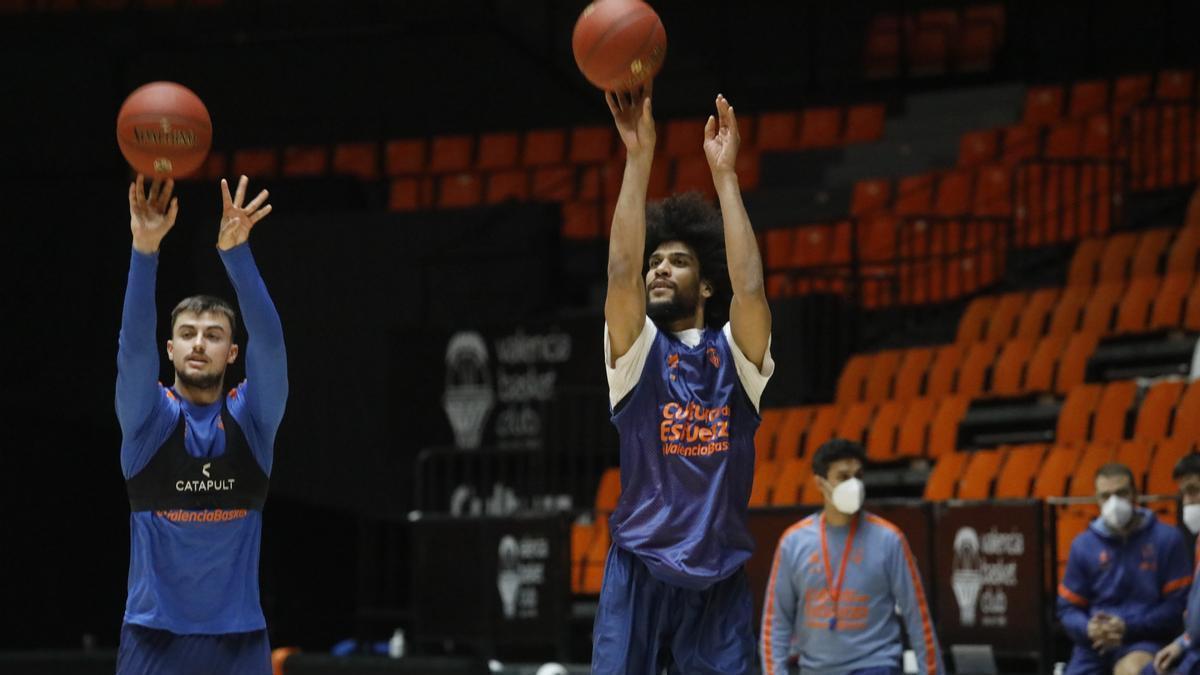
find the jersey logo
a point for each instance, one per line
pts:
(713, 357)
(672, 360)
(1104, 557)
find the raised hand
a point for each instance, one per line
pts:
(238, 220)
(635, 122)
(721, 139)
(151, 217)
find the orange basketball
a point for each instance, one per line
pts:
(619, 44)
(164, 130)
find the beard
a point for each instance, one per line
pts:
(663, 312)
(200, 381)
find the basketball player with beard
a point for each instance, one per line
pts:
(687, 349)
(196, 460)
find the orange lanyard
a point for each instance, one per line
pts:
(836, 592)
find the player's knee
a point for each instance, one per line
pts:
(1134, 663)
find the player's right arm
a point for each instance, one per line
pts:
(150, 218)
(1073, 596)
(625, 303)
(779, 609)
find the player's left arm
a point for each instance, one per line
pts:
(909, 594)
(1175, 580)
(749, 313)
(266, 387)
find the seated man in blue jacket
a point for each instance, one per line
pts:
(1183, 655)
(1122, 596)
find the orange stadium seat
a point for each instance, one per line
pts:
(993, 191)
(913, 440)
(972, 327)
(405, 156)
(1166, 453)
(790, 437)
(777, 130)
(881, 437)
(1043, 105)
(1016, 478)
(511, 185)
(544, 147)
(1112, 411)
(1075, 417)
(1010, 366)
(1133, 312)
(864, 123)
(821, 428)
(1128, 91)
(853, 378)
(953, 193)
(973, 372)
(1043, 363)
(914, 195)
(1034, 317)
(944, 478)
(870, 196)
(1158, 407)
(497, 150)
(684, 137)
(1066, 315)
(1148, 257)
(820, 128)
(980, 474)
(943, 430)
(1020, 142)
(357, 159)
(448, 154)
(1085, 262)
(944, 370)
(1003, 321)
(1088, 97)
(1167, 311)
(591, 145)
(882, 375)
(1136, 455)
(1051, 479)
(976, 148)
(1187, 415)
(1073, 361)
(910, 376)
(1101, 307)
(1118, 253)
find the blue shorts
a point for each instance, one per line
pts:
(1087, 661)
(149, 651)
(644, 625)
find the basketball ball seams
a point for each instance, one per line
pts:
(615, 27)
(619, 44)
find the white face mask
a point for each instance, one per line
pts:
(1191, 517)
(1117, 512)
(848, 496)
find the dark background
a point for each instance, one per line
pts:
(366, 297)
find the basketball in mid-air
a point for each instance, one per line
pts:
(164, 130)
(619, 44)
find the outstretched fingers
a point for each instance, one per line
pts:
(260, 214)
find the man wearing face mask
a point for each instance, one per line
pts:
(1183, 655)
(1127, 577)
(838, 579)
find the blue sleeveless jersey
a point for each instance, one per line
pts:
(687, 463)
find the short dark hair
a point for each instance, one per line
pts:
(199, 304)
(689, 217)
(1188, 465)
(1114, 469)
(835, 450)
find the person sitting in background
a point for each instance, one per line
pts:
(1183, 655)
(1121, 598)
